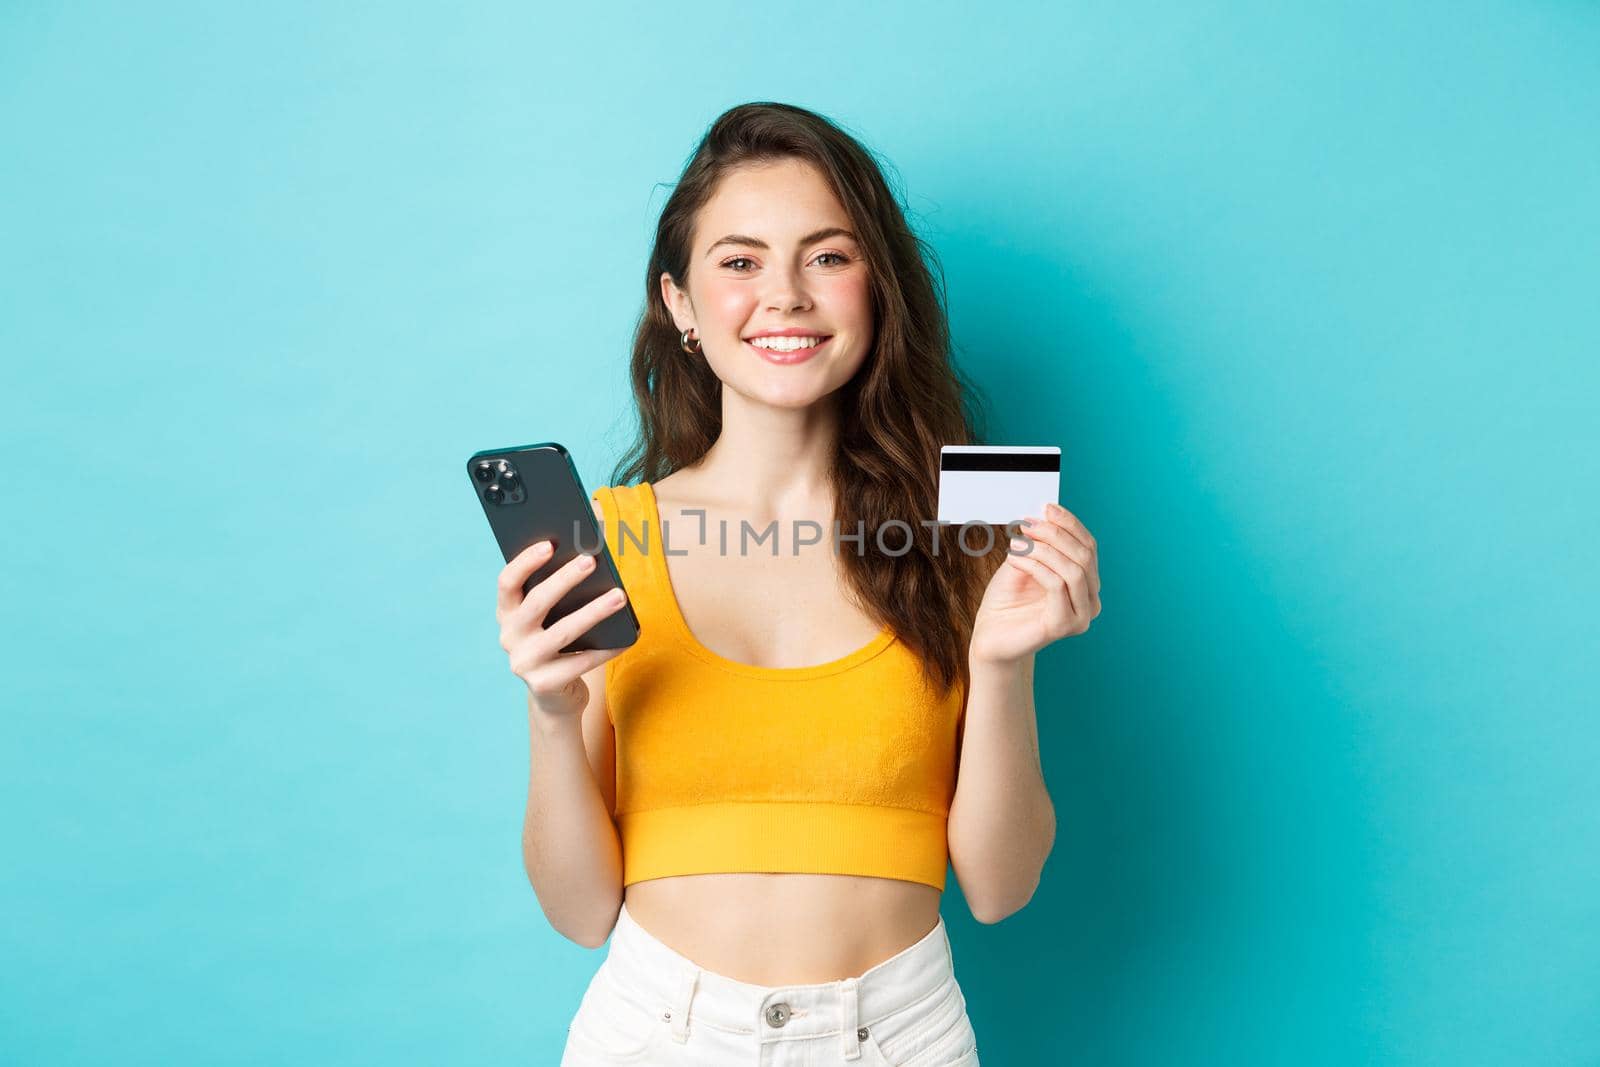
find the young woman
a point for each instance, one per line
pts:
(756, 802)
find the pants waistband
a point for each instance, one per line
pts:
(656, 972)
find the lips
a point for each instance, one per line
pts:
(784, 359)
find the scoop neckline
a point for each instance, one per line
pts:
(680, 626)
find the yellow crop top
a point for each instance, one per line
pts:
(845, 767)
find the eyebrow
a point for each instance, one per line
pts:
(741, 239)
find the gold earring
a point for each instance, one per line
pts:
(683, 341)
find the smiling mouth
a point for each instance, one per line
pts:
(789, 353)
(788, 343)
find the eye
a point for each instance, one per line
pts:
(841, 257)
(736, 259)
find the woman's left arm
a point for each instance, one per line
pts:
(1002, 824)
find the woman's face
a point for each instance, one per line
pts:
(773, 251)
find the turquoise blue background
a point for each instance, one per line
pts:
(1306, 296)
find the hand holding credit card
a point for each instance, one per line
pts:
(997, 484)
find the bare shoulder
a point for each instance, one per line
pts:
(688, 489)
(674, 488)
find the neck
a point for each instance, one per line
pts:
(773, 460)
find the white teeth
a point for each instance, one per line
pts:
(785, 344)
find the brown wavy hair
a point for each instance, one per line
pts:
(906, 400)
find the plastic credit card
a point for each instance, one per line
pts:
(997, 484)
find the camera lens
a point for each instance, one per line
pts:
(495, 494)
(483, 472)
(509, 479)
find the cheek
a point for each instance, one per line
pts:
(727, 304)
(848, 300)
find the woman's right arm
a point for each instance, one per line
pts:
(570, 846)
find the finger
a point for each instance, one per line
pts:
(1035, 526)
(551, 675)
(515, 574)
(1060, 610)
(550, 589)
(1065, 567)
(1078, 583)
(1065, 542)
(580, 622)
(1062, 534)
(1070, 521)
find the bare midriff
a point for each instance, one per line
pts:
(784, 929)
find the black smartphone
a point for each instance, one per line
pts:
(533, 493)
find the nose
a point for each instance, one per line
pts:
(788, 292)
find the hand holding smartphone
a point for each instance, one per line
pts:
(557, 616)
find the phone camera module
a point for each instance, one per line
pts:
(499, 482)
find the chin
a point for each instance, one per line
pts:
(796, 399)
(794, 394)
